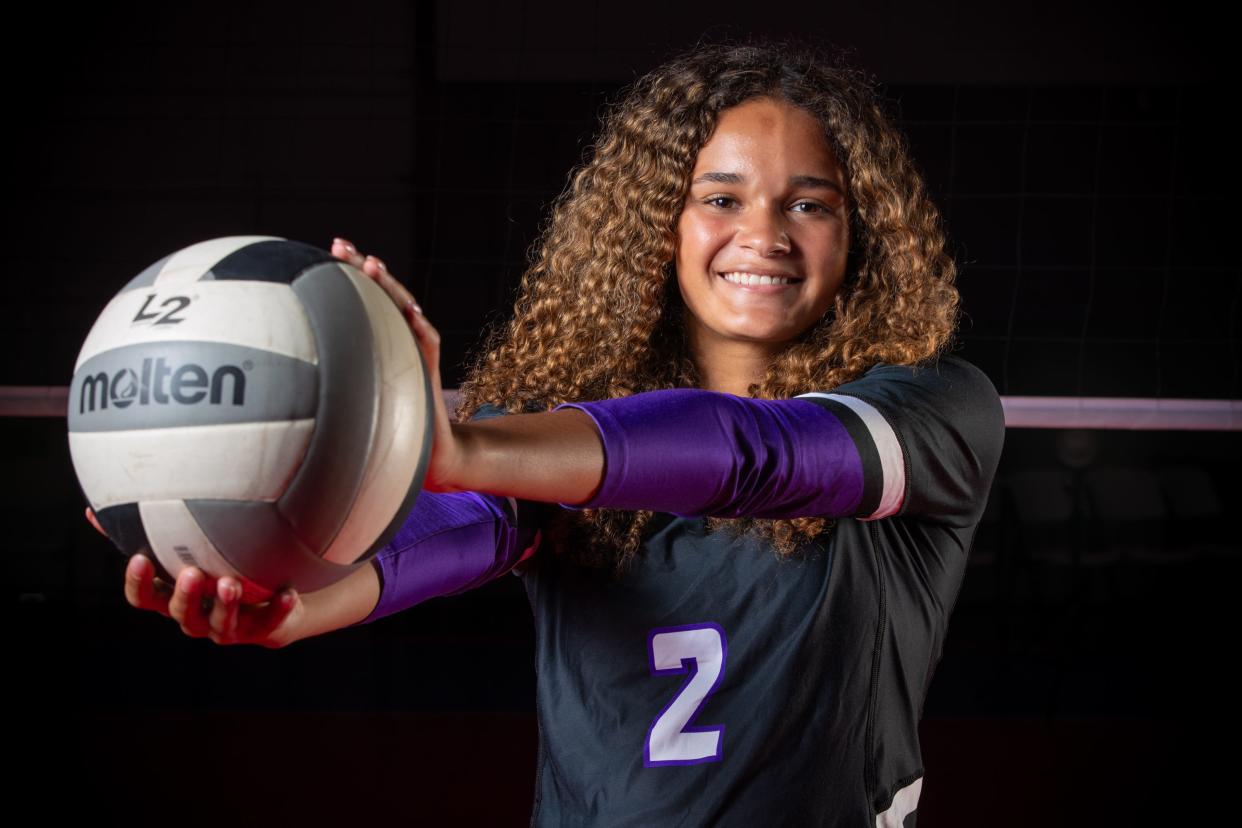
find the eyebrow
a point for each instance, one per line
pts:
(811, 181)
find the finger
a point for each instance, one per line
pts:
(258, 627)
(428, 340)
(90, 515)
(440, 472)
(377, 270)
(410, 309)
(140, 586)
(186, 604)
(344, 250)
(224, 612)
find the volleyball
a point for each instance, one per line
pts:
(254, 407)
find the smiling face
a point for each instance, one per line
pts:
(764, 233)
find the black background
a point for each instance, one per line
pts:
(1085, 161)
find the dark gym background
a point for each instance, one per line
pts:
(1089, 175)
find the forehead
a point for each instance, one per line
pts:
(764, 132)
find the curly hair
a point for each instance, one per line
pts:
(599, 313)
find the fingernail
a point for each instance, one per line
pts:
(347, 245)
(229, 592)
(411, 308)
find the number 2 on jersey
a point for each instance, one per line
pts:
(699, 650)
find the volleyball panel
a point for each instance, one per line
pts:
(272, 260)
(323, 492)
(258, 539)
(243, 461)
(190, 264)
(123, 523)
(176, 540)
(173, 384)
(266, 316)
(401, 440)
(221, 537)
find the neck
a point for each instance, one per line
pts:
(729, 366)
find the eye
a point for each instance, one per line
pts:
(721, 201)
(810, 207)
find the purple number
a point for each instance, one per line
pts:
(700, 651)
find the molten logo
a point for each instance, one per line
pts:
(161, 385)
(124, 388)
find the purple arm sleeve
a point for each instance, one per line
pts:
(449, 543)
(691, 452)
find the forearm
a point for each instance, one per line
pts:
(692, 452)
(682, 451)
(450, 542)
(553, 457)
(447, 543)
(342, 604)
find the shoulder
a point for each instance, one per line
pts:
(948, 386)
(938, 429)
(950, 375)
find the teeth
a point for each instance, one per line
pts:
(752, 279)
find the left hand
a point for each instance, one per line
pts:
(446, 451)
(207, 607)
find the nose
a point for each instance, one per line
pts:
(763, 231)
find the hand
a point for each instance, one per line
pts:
(446, 452)
(212, 608)
(553, 457)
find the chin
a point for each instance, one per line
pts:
(764, 337)
(765, 330)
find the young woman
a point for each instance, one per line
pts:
(725, 366)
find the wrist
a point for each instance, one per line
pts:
(454, 476)
(345, 603)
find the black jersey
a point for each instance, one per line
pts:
(716, 683)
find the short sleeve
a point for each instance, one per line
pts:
(929, 438)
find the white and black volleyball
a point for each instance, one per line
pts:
(254, 407)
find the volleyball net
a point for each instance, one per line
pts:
(1129, 413)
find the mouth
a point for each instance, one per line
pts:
(760, 282)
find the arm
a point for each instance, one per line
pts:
(682, 451)
(552, 457)
(447, 544)
(450, 543)
(899, 440)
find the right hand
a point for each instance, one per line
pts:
(212, 608)
(447, 450)
(554, 457)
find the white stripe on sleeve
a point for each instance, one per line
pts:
(892, 464)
